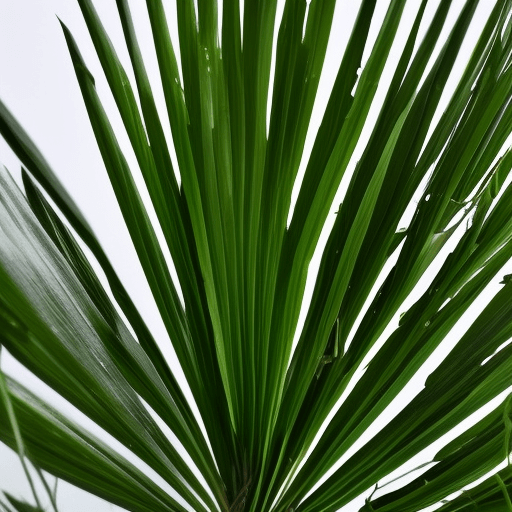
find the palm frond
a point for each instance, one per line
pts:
(282, 403)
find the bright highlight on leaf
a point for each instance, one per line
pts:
(275, 429)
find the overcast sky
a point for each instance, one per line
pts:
(38, 84)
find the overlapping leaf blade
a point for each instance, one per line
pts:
(174, 218)
(52, 326)
(386, 218)
(135, 365)
(68, 451)
(468, 457)
(454, 390)
(492, 495)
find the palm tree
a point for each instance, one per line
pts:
(277, 413)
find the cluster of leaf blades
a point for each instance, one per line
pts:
(242, 267)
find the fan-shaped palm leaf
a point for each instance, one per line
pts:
(242, 263)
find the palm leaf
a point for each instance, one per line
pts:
(282, 403)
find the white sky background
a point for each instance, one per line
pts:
(38, 84)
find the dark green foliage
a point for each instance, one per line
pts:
(242, 266)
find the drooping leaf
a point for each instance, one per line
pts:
(66, 450)
(52, 326)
